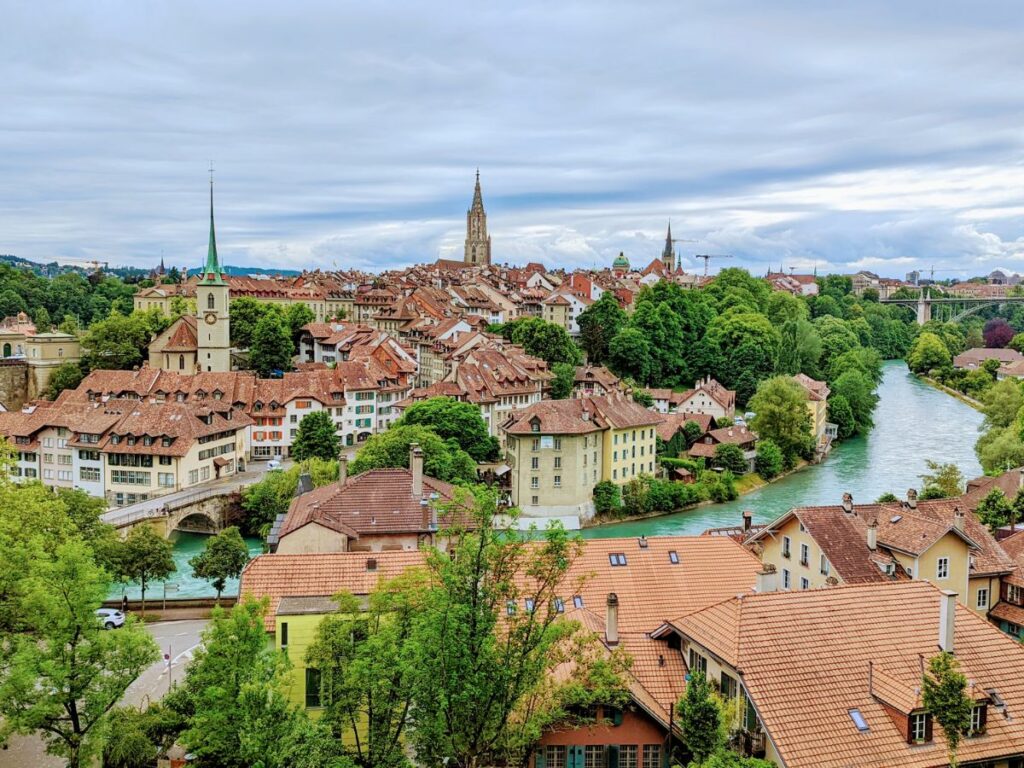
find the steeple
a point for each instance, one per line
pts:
(478, 198)
(667, 255)
(478, 243)
(212, 272)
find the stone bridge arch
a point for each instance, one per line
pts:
(195, 520)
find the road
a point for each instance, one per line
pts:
(178, 638)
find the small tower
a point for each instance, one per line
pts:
(668, 256)
(213, 331)
(478, 242)
(621, 265)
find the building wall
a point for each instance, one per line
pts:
(213, 337)
(301, 634)
(312, 538)
(954, 548)
(14, 385)
(773, 548)
(576, 462)
(636, 729)
(628, 453)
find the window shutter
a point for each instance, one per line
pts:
(576, 759)
(616, 716)
(927, 727)
(613, 756)
(538, 758)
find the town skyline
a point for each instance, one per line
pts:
(797, 137)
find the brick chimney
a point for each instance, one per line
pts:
(342, 469)
(611, 622)
(848, 503)
(748, 520)
(958, 519)
(947, 620)
(912, 498)
(873, 535)
(766, 579)
(416, 467)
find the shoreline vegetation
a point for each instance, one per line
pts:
(965, 399)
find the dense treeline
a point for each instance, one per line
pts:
(69, 299)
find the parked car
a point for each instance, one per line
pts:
(273, 464)
(111, 618)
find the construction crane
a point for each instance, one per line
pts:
(709, 256)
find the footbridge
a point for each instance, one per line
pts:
(950, 308)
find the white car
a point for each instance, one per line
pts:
(273, 464)
(110, 618)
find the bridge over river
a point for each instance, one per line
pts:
(951, 308)
(913, 423)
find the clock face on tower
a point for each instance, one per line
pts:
(211, 318)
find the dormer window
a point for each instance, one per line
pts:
(920, 730)
(535, 425)
(165, 442)
(147, 440)
(180, 397)
(131, 439)
(979, 717)
(577, 601)
(115, 439)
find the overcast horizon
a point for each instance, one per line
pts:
(863, 136)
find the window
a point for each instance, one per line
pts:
(535, 444)
(559, 605)
(510, 607)
(89, 474)
(558, 443)
(983, 598)
(805, 555)
(165, 479)
(593, 756)
(534, 463)
(577, 601)
(284, 634)
(209, 301)
(919, 727)
(627, 756)
(528, 602)
(858, 720)
(786, 542)
(804, 583)
(652, 756)
(728, 687)
(166, 461)
(785, 578)
(698, 662)
(978, 718)
(673, 557)
(558, 481)
(128, 477)
(312, 687)
(617, 558)
(535, 500)
(193, 476)
(535, 482)
(558, 462)
(942, 568)
(824, 565)
(554, 756)
(1014, 593)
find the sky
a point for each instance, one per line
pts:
(833, 136)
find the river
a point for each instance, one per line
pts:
(913, 423)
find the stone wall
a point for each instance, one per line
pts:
(13, 384)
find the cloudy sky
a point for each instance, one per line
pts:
(847, 135)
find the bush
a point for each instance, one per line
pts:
(607, 498)
(730, 457)
(769, 459)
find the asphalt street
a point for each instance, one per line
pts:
(177, 639)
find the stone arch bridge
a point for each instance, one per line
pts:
(201, 511)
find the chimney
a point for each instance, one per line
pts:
(958, 519)
(611, 622)
(912, 498)
(947, 619)
(873, 535)
(305, 484)
(342, 469)
(848, 503)
(765, 579)
(748, 520)
(416, 467)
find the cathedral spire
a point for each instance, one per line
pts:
(478, 243)
(668, 254)
(212, 271)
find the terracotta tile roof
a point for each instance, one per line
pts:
(183, 335)
(559, 417)
(816, 390)
(1008, 612)
(804, 658)
(673, 422)
(320, 575)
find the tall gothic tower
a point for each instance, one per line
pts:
(668, 256)
(213, 332)
(478, 242)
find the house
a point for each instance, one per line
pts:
(710, 397)
(973, 359)
(1008, 612)
(817, 405)
(670, 430)
(595, 380)
(707, 447)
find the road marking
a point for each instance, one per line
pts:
(187, 651)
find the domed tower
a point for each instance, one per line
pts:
(621, 264)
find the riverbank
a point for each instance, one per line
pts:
(975, 404)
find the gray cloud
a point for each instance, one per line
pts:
(870, 134)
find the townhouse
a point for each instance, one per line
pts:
(822, 431)
(707, 446)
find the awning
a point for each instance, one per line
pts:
(220, 461)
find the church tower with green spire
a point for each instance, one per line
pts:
(213, 332)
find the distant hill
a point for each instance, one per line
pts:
(54, 268)
(242, 271)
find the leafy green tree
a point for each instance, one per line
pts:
(297, 315)
(244, 313)
(223, 557)
(1017, 342)
(117, 342)
(443, 459)
(607, 498)
(692, 432)
(700, 718)
(66, 376)
(928, 352)
(1000, 449)
(41, 320)
(782, 416)
(994, 510)
(11, 303)
(636, 496)
(1002, 402)
(642, 397)
(801, 347)
(598, 325)
(854, 387)
(483, 689)
(62, 676)
(548, 341)
(729, 456)
(451, 419)
(316, 438)
(143, 556)
(769, 461)
(944, 695)
(271, 348)
(837, 337)
(887, 498)
(841, 414)
(562, 383)
(271, 496)
(629, 355)
(746, 347)
(726, 758)
(134, 738)
(942, 481)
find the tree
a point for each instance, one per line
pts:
(994, 510)
(443, 459)
(629, 355)
(944, 695)
(607, 498)
(142, 557)
(928, 352)
(856, 389)
(692, 433)
(244, 313)
(780, 405)
(1017, 342)
(943, 481)
(801, 347)
(1000, 449)
(64, 674)
(365, 662)
(565, 378)
(41, 320)
(271, 348)
(769, 461)
(451, 419)
(548, 341)
(316, 438)
(223, 557)
(700, 718)
(483, 689)
(117, 342)
(1002, 402)
(730, 456)
(271, 496)
(726, 758)
(841, 414)
(297, 315)
(598, 325)
(66, 376)
(997, 333)
(747, 346)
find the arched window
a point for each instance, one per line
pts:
(181, 362)
(209, 301)
(7, 350)
(60, 351)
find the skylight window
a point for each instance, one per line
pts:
(577, 601)
(529, 604)
(673, 557)
(559, 605)
(617, 558)
(858, 720)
